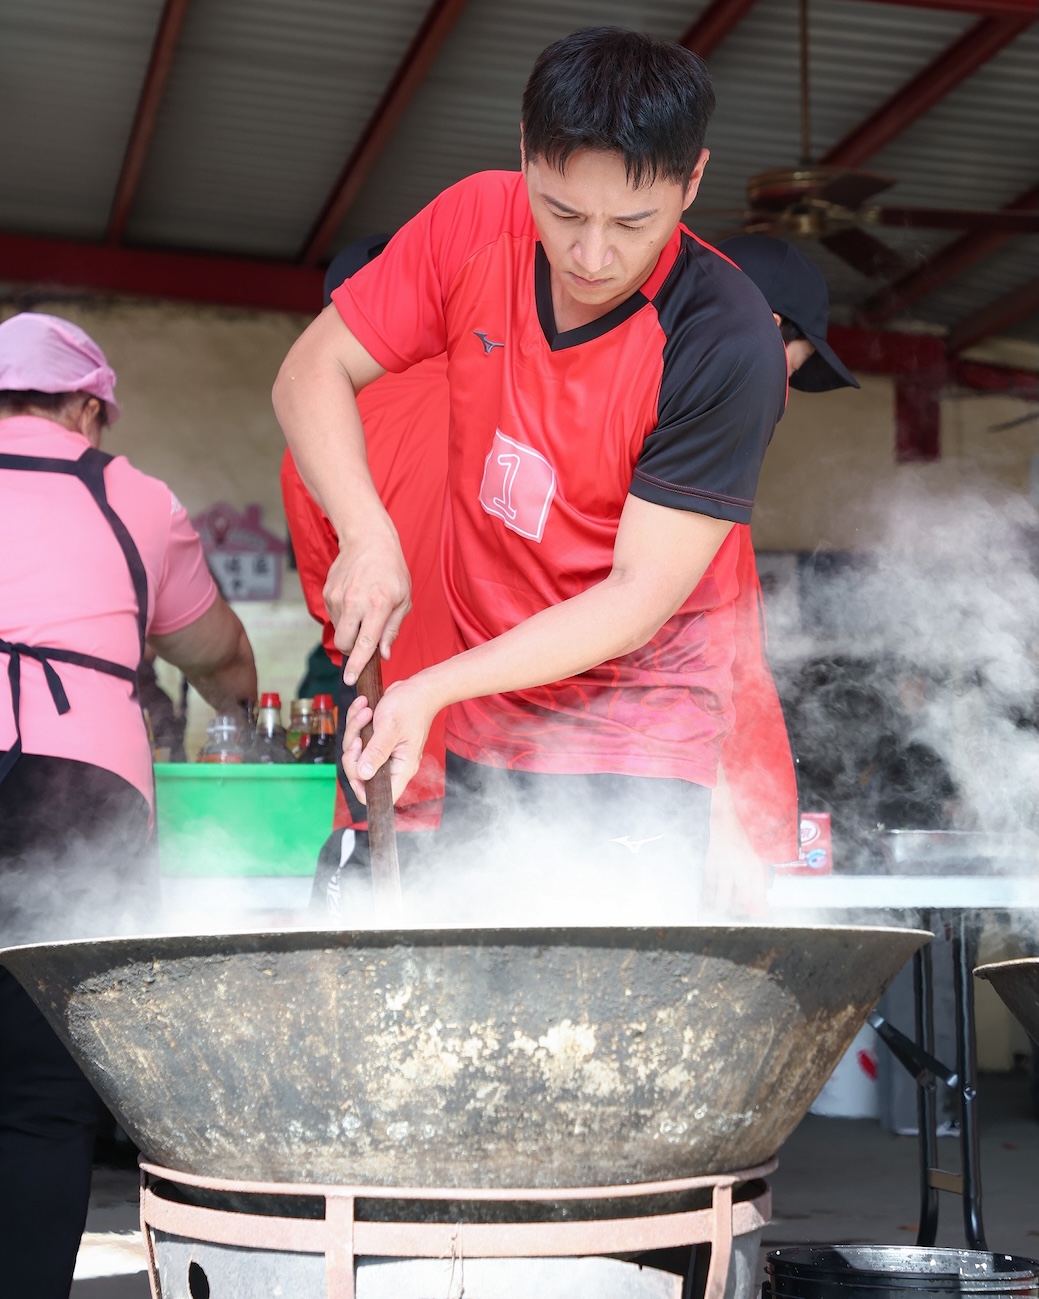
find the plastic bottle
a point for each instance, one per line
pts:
(322, 744)
(222, 741)
(297, 737)
(267, 743)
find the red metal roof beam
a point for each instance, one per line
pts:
(996, 378)
(945, 265)
(163, 51)
(714, 24)
(410, 73)
(983, 377)
(996, 318)
(46, 264)
(879, 351)
(973, 49)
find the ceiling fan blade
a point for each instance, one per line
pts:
(865, 253)
(931, 218)
(851, 189)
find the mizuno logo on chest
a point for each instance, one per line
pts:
(488, 344)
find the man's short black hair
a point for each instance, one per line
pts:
(619, 91)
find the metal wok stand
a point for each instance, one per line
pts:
(740, 1203)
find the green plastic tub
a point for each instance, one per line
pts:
(242, 819)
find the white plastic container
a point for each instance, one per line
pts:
(851, 1092)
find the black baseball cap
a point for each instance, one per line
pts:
(795, 288)
(349, 260)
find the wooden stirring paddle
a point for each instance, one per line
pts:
(382, 830)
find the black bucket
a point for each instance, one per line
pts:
(895, 1272)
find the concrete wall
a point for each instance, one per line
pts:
(194, 384)
(831, 463)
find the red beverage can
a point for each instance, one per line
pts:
(816, 851)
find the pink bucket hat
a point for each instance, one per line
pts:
(40, 353)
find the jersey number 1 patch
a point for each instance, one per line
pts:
(518, 486)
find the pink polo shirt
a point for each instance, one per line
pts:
(64, 583)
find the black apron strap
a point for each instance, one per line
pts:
(43, 655)
(90, 470)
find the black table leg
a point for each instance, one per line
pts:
(926, 1096)
(964, 944)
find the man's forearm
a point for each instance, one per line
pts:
(660, 557)
(606, 621)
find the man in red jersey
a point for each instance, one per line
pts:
(614, 383)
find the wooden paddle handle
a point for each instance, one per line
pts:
(382, 830)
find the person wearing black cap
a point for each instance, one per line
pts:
(795, 288)
(754, 810)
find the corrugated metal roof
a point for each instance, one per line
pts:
(983, 284)
(466, 116)
(70, 75)
(976, 149)
(264, 105)
(266, 100)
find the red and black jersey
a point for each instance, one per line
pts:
(671, 397)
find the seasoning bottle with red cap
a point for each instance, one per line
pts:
(321, 746)
(268, 738)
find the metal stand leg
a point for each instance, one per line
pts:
(926, 1096)
(963, 956)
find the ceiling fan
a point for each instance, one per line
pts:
(832, 204)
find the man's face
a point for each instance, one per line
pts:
(601, 235)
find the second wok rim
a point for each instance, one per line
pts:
(984, 971)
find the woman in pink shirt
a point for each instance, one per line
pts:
(98, 559)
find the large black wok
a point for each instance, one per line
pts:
(1017, 982)
(469, 1058)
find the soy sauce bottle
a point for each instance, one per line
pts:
(268, 738)
(321, 745)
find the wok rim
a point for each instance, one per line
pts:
(518, 936)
